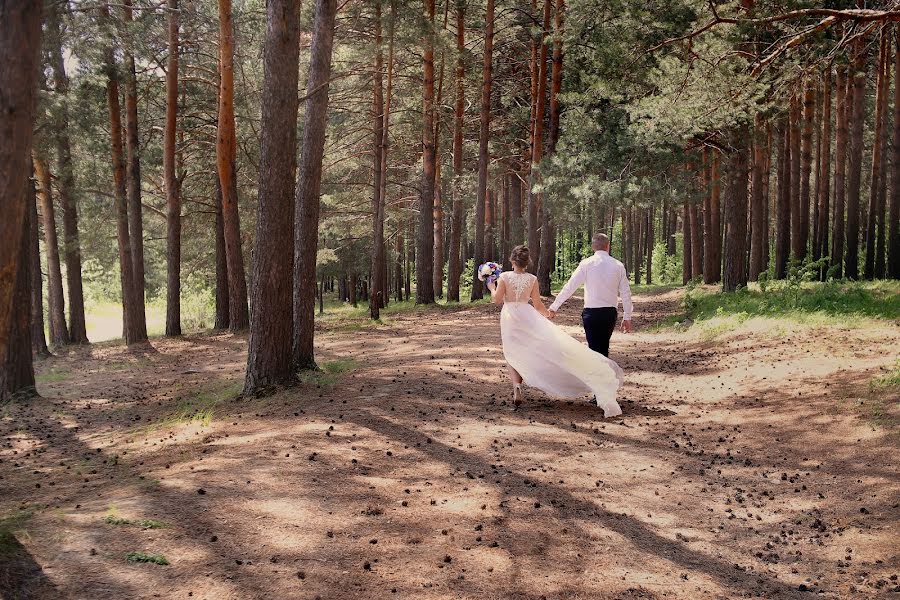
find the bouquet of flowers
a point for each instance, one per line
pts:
(489, 271)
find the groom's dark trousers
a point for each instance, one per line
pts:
(599, 324)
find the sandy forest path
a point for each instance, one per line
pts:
(748, 463)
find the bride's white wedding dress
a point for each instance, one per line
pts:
(548, 358)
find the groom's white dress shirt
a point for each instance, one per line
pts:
(604, 279)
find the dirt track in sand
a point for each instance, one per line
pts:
(745, 464)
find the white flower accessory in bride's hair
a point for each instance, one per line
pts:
(489, 271)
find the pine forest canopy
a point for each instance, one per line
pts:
(257, 154)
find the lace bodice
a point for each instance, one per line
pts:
(518, 286)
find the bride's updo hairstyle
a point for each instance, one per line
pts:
(520, 257)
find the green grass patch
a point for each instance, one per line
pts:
(199, 406)
(9, 523)
(145, 523)
(846, 303)
(329, 372)
(144, 557)
(890, 380)
(53, 375)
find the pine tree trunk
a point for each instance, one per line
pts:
(385, 145)
(878, 150)
(854, 161)
(17, 369)
(842, 107)
(757, 201)
(20, 44)
(893, 234)
(133, 169)
(715, 219)
(881, 205)
(536, 206)
(824, 188)
(437, 273)
(226, 148)
(38, 340)
(783, 201)
(425, 237)
(794, 151)
(556, 76)
(66, 180)
(222, 313)
(805, 170)
(457, 218)
(131, 331)
(696, 244)
(173, 194)
(649, 245)
(483, 139)
(376, 292)
(687, 258)
(59, 333)
(309, 184)
(269, 360)
(735, 273)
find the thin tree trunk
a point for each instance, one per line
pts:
(880, 242)
(536, 208)
(854, 163)
(696, 244)
(757, 201)
(893, 261)
(794, 150)
(805, 170)
(824, 180)
(457, 218)
(309, 184)
(226, 148)
(66, 179)
(649, 245)
(425, 237)
(437, 274)
(38, 340)
(59, 333)
(783, 201)
(133, 164)
(842, 107)
(173, 194)
(269, 359)
(687, 258)
(222, 313)
(377, 278)
(735, 273)
(483, 157)
(878, 150)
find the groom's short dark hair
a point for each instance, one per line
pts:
(600, 241)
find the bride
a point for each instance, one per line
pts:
(540, 353)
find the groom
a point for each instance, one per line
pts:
(604, 280)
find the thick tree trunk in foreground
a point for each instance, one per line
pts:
(854, 163)
(454, 269)
(66, 180)
(841, 109)
(309, 184)
(38, 340)
(59, 333)
(271, 322)
(20, 43)
(133, 164)
(173, 194)
(226, 147)
(425, 235)
(484, 137)
(893, 228)
(17, 369)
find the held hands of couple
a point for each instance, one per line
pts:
(551, 314)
